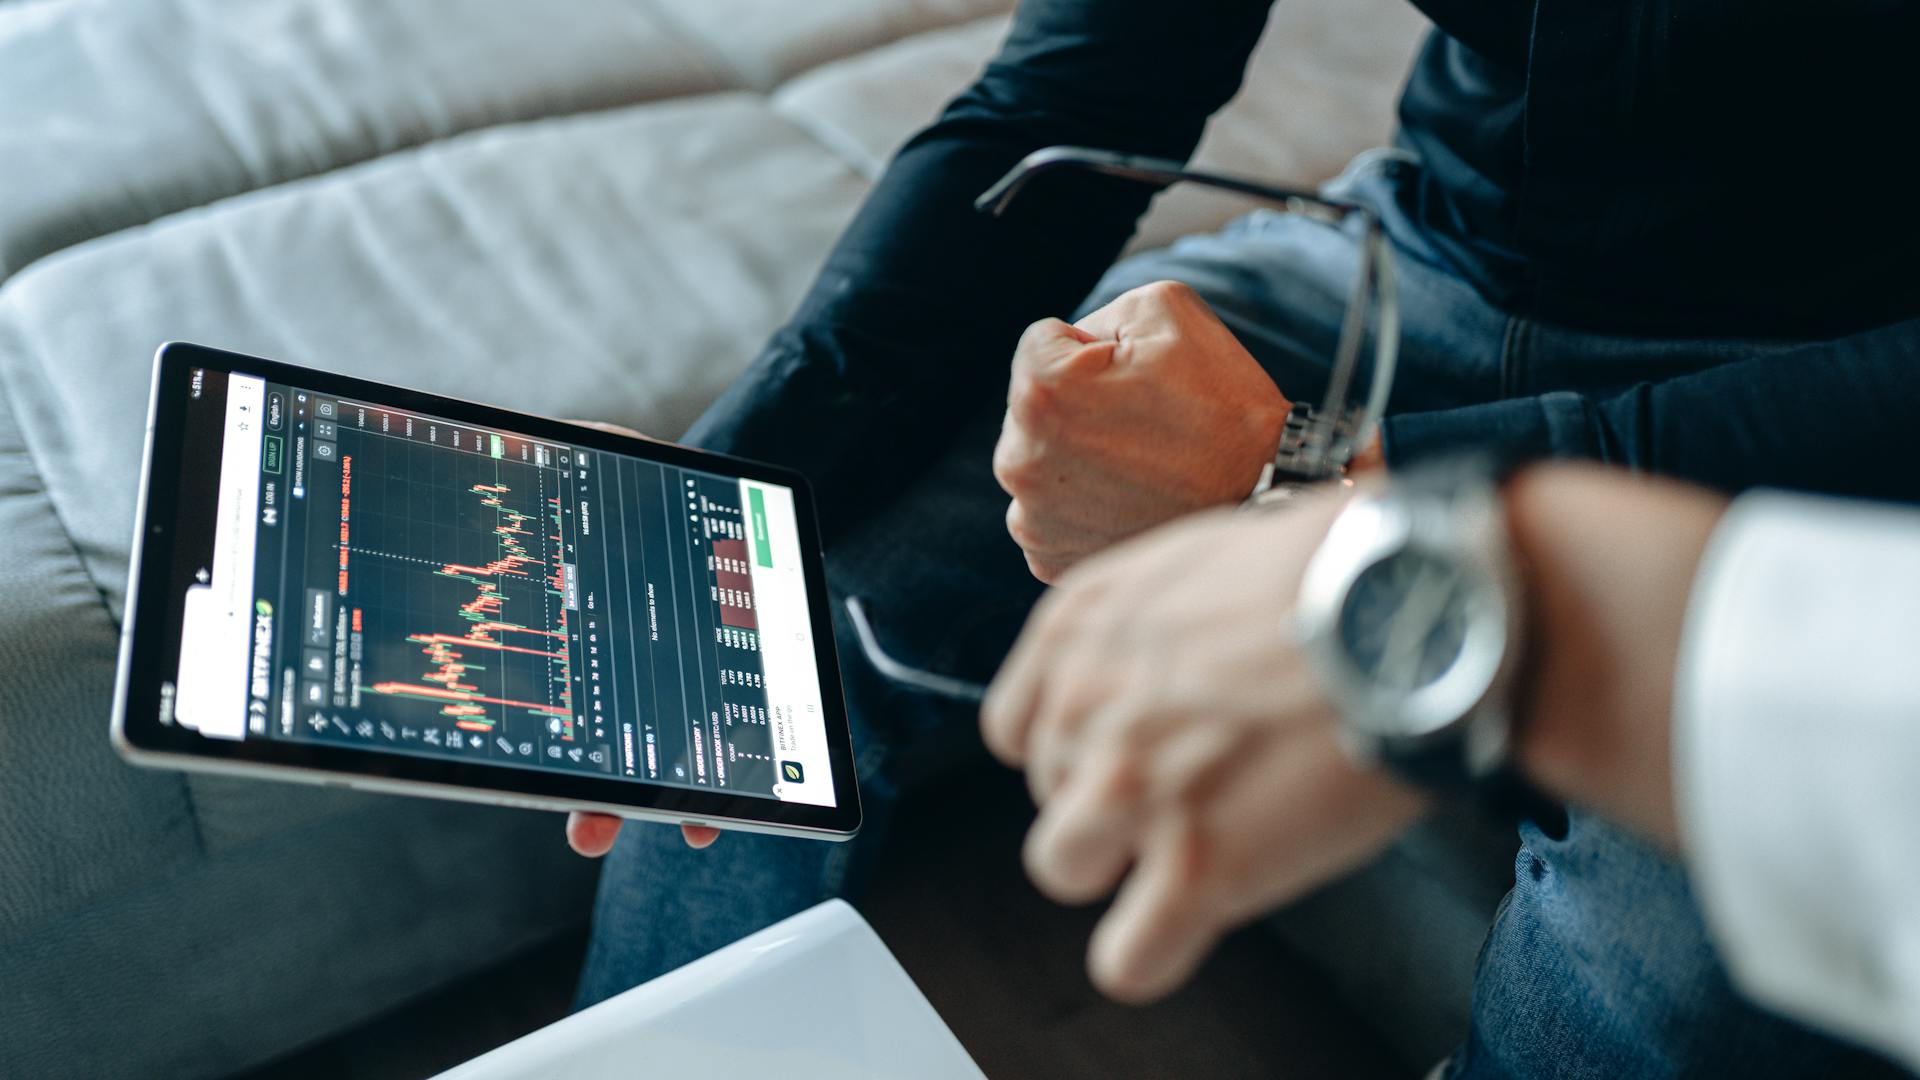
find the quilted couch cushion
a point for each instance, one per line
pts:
(115, 113)
(118, 113)
(620, 265)
(218, 964)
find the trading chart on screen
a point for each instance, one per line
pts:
(447, 590)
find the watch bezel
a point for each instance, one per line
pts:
(1371, 529)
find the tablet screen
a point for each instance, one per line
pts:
(407, 584)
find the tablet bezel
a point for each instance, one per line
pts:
(150, 648)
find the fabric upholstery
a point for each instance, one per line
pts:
(114, 114)
(74, 821)
(218, 963)
(762, 44)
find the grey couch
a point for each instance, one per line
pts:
(596, 209)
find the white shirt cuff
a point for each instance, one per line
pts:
(1797, 760)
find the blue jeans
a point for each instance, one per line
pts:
(1597, 963)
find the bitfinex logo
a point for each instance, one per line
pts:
(262, 647)
(793, 772)
(262, 654)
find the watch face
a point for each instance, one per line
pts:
(1404, 620)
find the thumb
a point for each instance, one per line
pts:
(1050, 344)
(592, 835)
(1076, 332)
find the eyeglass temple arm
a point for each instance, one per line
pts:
(1334, 444)
(933, 682)
(1161, 172)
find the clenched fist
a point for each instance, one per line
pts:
(1145, 410)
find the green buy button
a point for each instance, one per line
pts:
(762, 551)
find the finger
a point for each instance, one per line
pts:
(1302, 815)
(1019, 462)
(1048, 395)
(699, 836)
(1045, 539)
(1044, 571)
(1047, 341)
(1006, 712)
(1083, 840)
(1055, 741)
(1161, 926)
(1190, 764)
(1052, 352)
(617, 429)
(592, 835)
(1140, 308)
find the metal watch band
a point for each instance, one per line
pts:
(1291, 471)
(1290, 459)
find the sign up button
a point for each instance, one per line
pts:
(762, 546)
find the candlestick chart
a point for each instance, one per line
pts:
(453, 565)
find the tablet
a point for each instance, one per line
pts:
(344, 582)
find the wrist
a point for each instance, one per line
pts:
(1607, 563)
(1371, 457)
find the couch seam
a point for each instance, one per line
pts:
(53, 510)
(826, 145)
(841, 149)
(849, 150)
(688, 36)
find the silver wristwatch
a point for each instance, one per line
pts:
(1411, 614)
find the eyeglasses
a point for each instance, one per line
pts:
(1336, 431)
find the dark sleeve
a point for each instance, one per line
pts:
(909, 328)
(1837, 417)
